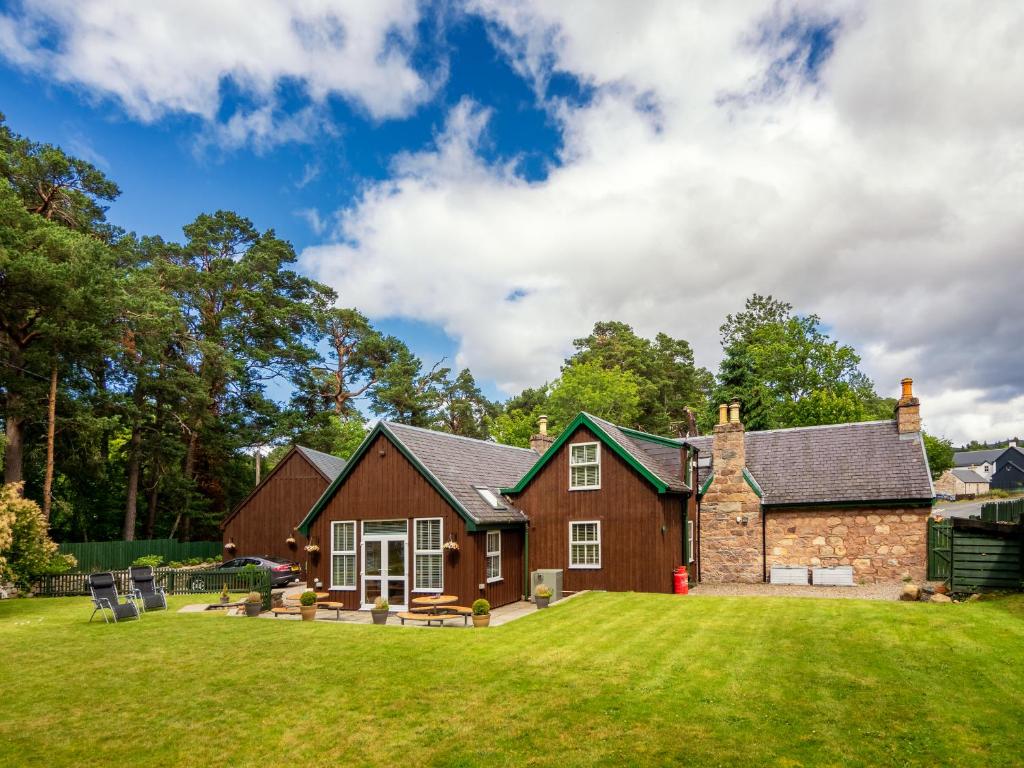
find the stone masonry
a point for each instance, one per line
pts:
(730, 514)
(881, 545)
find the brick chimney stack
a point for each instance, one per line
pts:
(908, 410)
(542, 440)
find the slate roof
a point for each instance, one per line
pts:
(965, 475)
(969, 458)
(835, 464)
(460, 464)
(330, 466)
(663, 461)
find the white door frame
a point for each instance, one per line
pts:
(383, 539)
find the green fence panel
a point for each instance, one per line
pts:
(982, 561)
(940, 534)
(116, 555)
(1003, 511)
(174, 581)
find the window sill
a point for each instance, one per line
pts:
(585, 488)
(496, 580)
(585, 567)
(341, 589)
(428, 591)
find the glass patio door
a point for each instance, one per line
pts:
(384, 570)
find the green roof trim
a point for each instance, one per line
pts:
(668, 441)
(707, 484)
(381, 429)
(753, 483)
(583, 420)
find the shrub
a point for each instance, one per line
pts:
(307, 598)
(380, 604)
(481, 607)
(254, 597)
(25, 548)
(153, 561)
(542, 590)
(250, 568)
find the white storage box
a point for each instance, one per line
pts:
(836, 576)
(789, 574)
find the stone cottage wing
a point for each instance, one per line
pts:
(834, 464)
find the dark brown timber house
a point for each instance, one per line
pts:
(265, 520)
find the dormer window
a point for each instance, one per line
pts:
(490, 497)
(584, 466)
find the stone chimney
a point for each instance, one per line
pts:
(542, 440)
(908, 410)
(730, 512)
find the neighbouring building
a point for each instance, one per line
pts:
(846, 494)
(961, 481)
(983, 462)
(264, 522)
(1009, 470)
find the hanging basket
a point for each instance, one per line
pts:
(290, 541)
(230, 546)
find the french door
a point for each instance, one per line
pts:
(385, 563)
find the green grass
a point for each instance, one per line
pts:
(606, 679)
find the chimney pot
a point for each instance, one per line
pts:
(908, 387)
(723, 413)
(734, 411)
(542, 424)
(908, 409)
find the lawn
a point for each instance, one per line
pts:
(606, 679)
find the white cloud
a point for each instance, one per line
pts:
(881, 193)
(177, 57)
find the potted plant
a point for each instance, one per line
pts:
(290, 541)
(542, 595)
(230, 547)
(379, 612)
(307, 605)
(481, 613)
(253, 604)
(224, 597)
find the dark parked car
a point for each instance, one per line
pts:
(282, 571)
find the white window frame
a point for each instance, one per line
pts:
(352, 552)
(417, 551)
(492, 553)
(595, 463)
(689, 541)
(600, 553)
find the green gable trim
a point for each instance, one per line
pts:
(585, 421)
(356, 457)
(668, 441)
(753, 483)
(707, 484)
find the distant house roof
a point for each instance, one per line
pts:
(835, 464)
(973, 458)
(657, 459)
(458, 467)
(329, 466)
(965, 475)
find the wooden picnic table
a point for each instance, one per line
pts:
(433, 603)
(319, 596)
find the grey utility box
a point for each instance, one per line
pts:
(836, 576)
(550, 576)
(789, 574)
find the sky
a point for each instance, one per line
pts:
(488, 179)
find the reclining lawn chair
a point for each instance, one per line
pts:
(105, 598)
(145, 590)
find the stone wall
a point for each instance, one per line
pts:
(730, 551)
(881, 544)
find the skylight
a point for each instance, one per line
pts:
(488, 495)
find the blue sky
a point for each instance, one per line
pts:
(489, 178)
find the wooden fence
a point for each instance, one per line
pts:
(1003, 511)
(114, 555)
(985, 556)
(183, 581)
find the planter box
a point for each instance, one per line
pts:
(789, 574)
(836, 576)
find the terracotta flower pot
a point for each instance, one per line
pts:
(308, 612)
(481, 620)
(253, 609)
(379, 617)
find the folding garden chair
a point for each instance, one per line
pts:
(105, 598)
(145, 590)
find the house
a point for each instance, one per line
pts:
(982, 462)
(417, 512)
(1009, 469)
(962, 481)
(846, 494)
(264, 521)
(611, 507)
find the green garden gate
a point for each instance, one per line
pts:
(940, 549)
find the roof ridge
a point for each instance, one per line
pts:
(456, 437)
(817, 426)
(320, 453)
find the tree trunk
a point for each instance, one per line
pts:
(190, 466)
(51, 424)
(151, 503)
(14, 452)
(135, 444)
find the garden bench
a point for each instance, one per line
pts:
(336, 607)
(429, 618)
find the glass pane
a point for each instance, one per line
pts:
(371, 558)
(396, 558)
(344, 571)
(396, 592)
(493, 541)
(428, 534)
(428, 571)
(344, 537)
(372, 589)
(384, 528)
